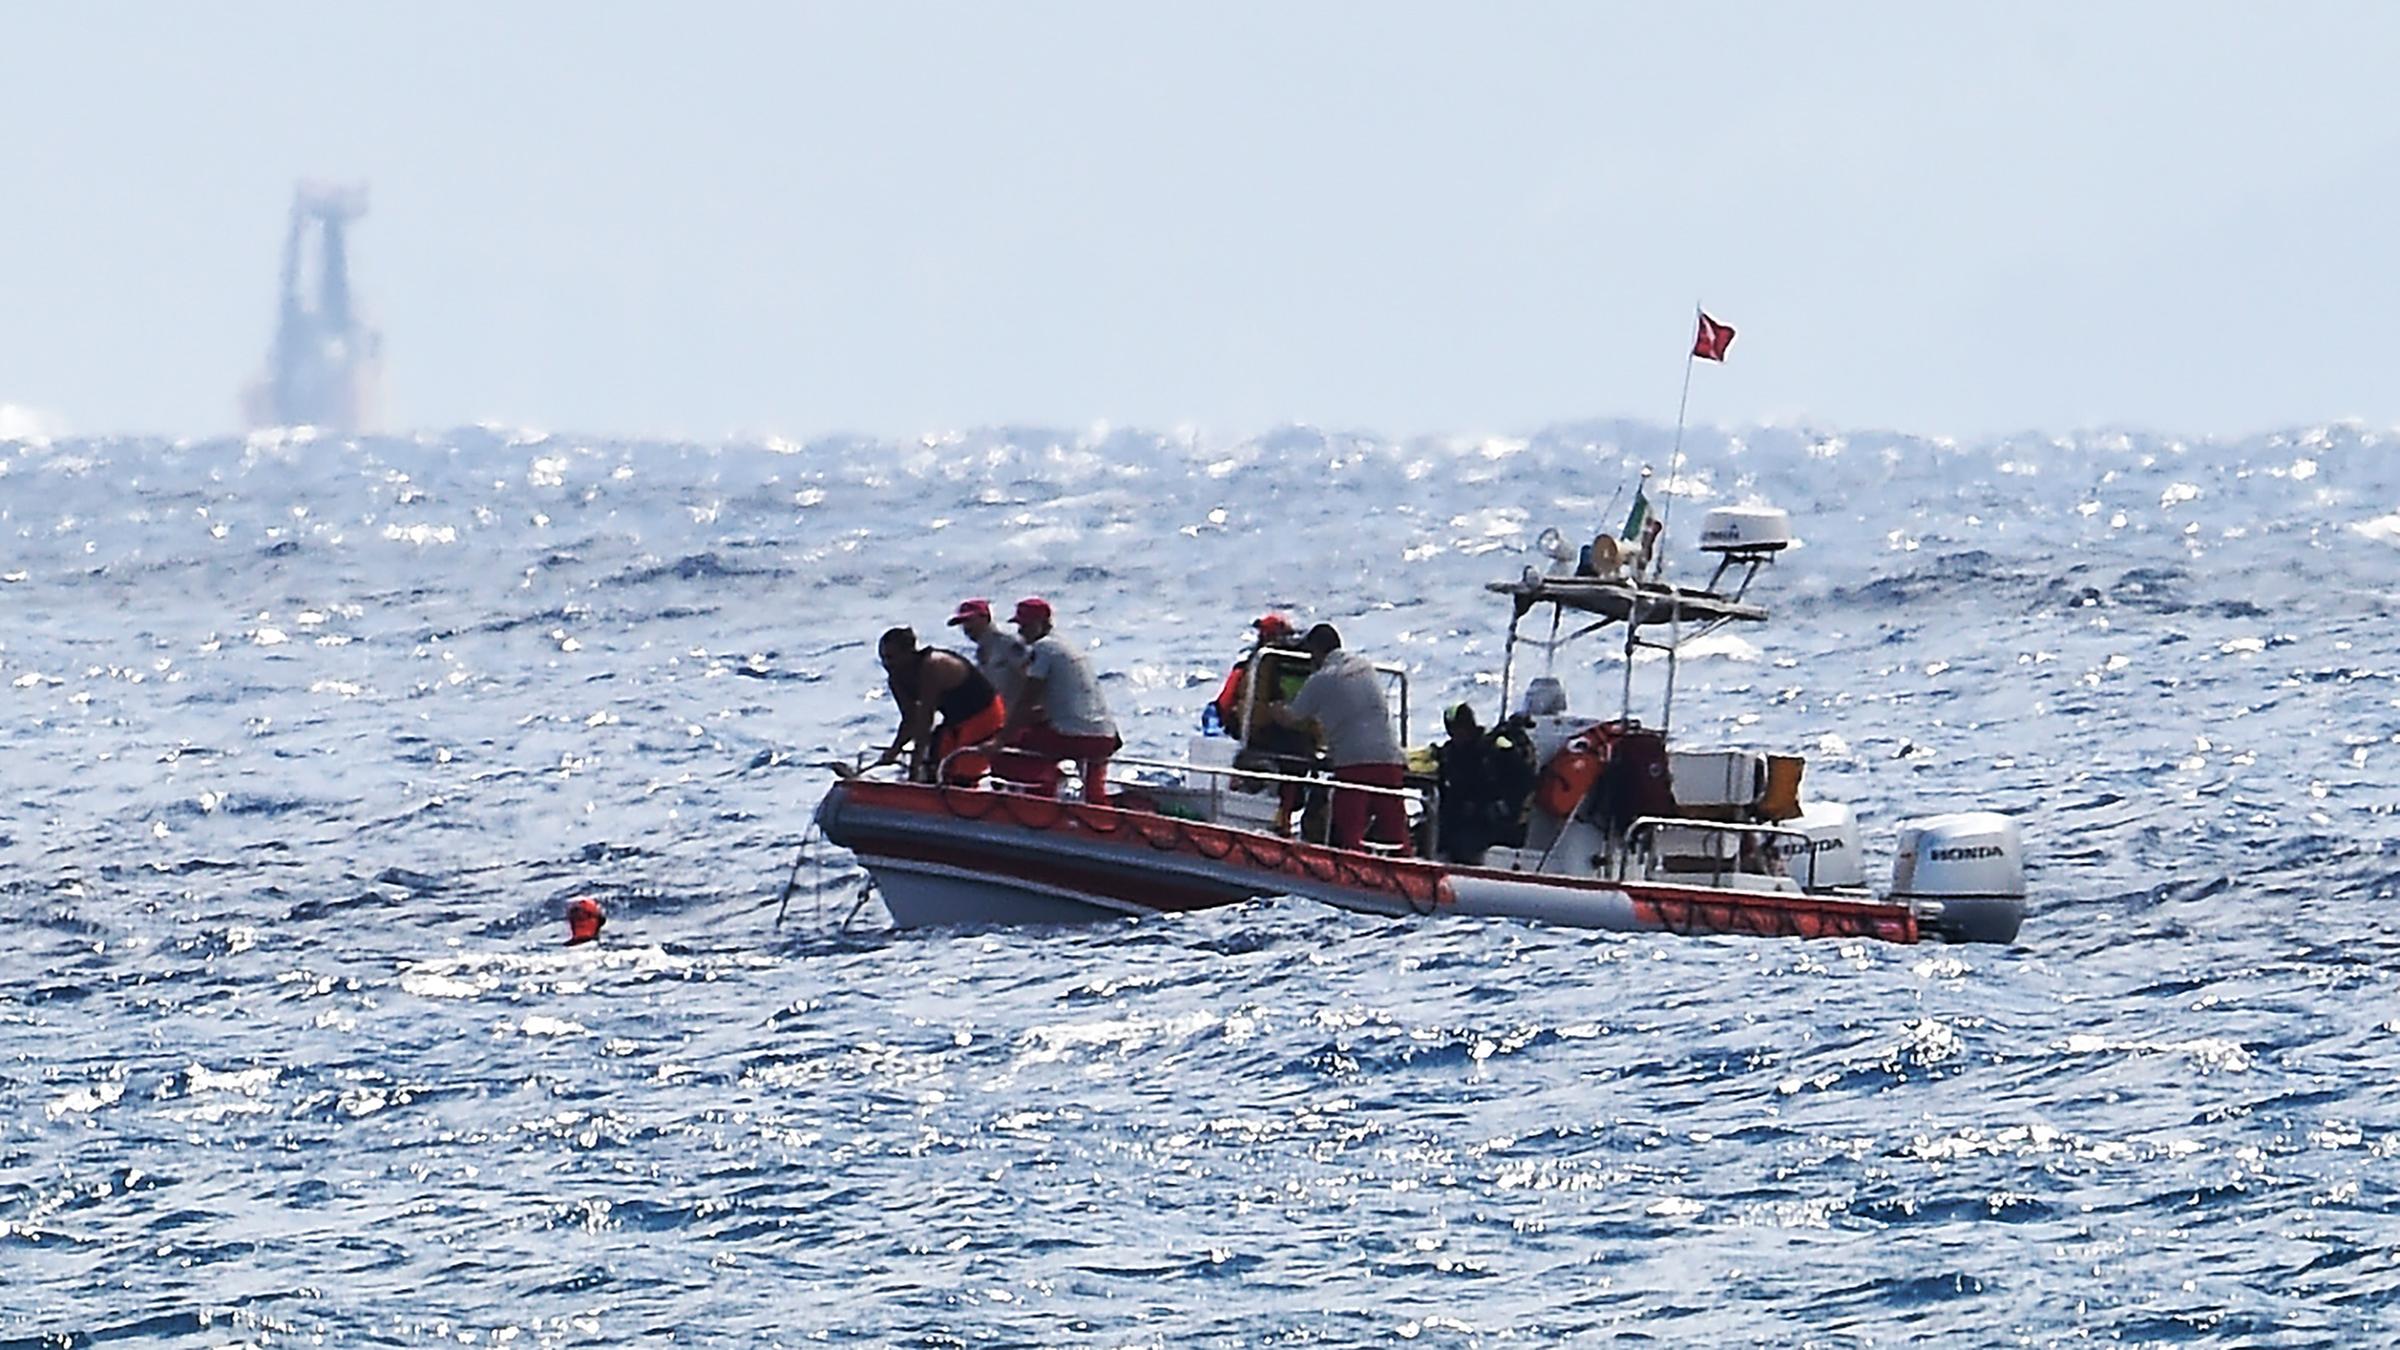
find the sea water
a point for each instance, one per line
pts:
(310, 740)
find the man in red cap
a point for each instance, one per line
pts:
(998, 654)
(1062, 715)
(1268, 744)
(1274, 630)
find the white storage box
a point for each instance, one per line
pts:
(1717, 777)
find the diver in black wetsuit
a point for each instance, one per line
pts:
(1486, 779)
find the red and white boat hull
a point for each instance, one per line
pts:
(947, 855)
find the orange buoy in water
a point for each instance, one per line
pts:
(583, 919)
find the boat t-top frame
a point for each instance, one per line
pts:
(1636, 603)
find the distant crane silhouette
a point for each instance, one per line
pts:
(325, 366)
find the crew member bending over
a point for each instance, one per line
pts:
(1345, 701)
(1062, 715)
(927, 683)
(998, 653)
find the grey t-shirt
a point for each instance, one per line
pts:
(1070, 694)
(1000, 656)
(1345, 697)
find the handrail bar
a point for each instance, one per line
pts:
(1718, 826)
(1650, 825)
(1422, 795)
(1270, 776)
(1427, 797)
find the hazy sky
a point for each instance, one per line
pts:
(724, 219)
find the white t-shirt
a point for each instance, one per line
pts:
(1000, 657)
(1345, 697)
(1071, 699)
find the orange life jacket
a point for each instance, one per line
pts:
(1229, 698)
(1569, 775)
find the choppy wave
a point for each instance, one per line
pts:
(309, 740)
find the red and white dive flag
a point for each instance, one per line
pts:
(1713, 340)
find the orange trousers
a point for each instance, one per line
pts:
(968, 770)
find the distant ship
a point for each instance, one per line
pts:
(325, 368)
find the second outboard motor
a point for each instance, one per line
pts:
(1963, 874)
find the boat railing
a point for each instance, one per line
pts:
(863, 764)
(1428, 799)
(1220, 775)
(1425, 796)
(1644, 831)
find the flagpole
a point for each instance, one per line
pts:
(1691, 355)
(1658, 565)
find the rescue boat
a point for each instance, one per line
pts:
(1607, 827)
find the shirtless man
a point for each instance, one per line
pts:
(928, 683)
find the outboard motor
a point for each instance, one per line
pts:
(1963, 874)
(1828, 860)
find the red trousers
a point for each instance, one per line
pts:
(1090, 753)
(1358, 816)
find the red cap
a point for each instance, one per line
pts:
(972, 609)
(1030, 608)
(1272, 626)
(583, 919)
